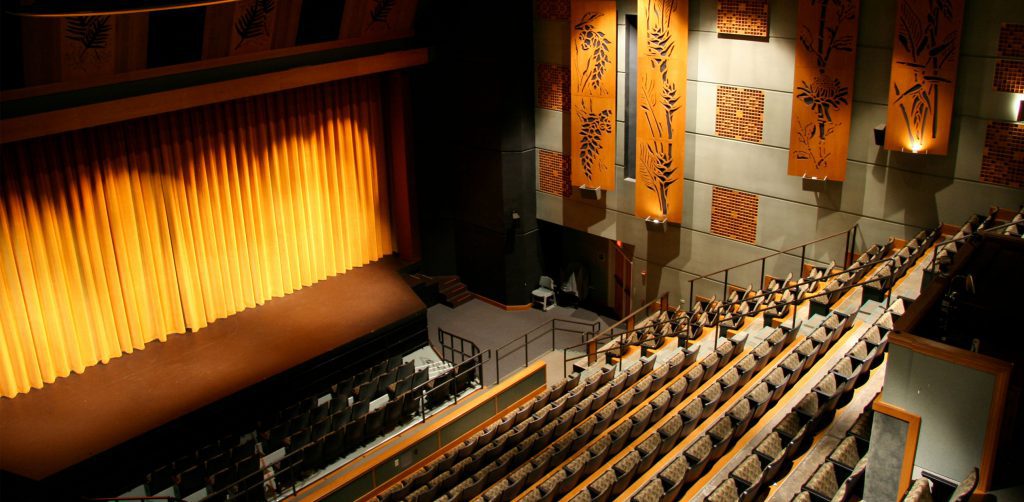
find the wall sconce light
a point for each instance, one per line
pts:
(916, 147)
(879, 134)
(655, 225)
(590, 192)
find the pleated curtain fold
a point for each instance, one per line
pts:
(115, 236)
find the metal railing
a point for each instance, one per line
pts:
(552, 329)
(287, 475)
(965, 238)
(647, 334)
(848, 249)
(447, 341)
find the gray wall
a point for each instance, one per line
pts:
(885, 458)
(953, 402)
(886, 193)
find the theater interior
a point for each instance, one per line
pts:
(586, 250)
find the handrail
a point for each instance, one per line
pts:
(445, 336)
(725, 306)
(419, 392)
(524, 341)
(137, 497)
(851, 238)
(631, 317)
(973, 234)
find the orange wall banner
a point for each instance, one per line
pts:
(592, 90)
(826, 56)
(114, 236)
(926, 48)
(662, 40)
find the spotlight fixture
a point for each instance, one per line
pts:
(656, 225)
(879, 134)
(590, 192)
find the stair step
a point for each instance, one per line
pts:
(453, 289)
(459, 299)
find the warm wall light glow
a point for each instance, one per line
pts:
(916, 146)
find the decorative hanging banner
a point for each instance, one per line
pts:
(663, 31)
(87, 46)
(826, 57)
(592, 92)
(923, 79)
(253, 26)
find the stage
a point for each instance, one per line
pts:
(48, 430)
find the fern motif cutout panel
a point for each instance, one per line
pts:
(592, 26)
(377, 17)
(826, 55)
(926, 48)
(253, 26)
(87, 46)
(662, 43)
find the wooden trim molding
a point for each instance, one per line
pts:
(364, 465)
(913, 431)
(949, 353)
(205, 64)
(980, 362)
(70, 119)
(500, 305)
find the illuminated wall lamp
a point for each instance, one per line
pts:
(590, 192)
(656, 225)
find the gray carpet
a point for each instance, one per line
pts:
(490, 328)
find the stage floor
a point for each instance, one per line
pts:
(49, 429)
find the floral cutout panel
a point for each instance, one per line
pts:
(826, 55)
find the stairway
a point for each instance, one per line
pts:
(453, 291)
(446, 289)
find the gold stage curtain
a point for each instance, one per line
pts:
(115, 236)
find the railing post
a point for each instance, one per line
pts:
(803, 253)
(690, 304)
(526, 350)
(725, 291)
(761, 285)
(846, 250)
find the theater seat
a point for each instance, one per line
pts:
(673, 477)
(726, 491)
(697, 455)
(749, 476)
(773, 453)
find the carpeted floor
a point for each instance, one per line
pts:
(490, 328)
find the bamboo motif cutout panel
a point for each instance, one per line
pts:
(592, 93)
(826, 56)
(663, 31)
(924, 61)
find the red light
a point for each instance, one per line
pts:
(618, 243)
